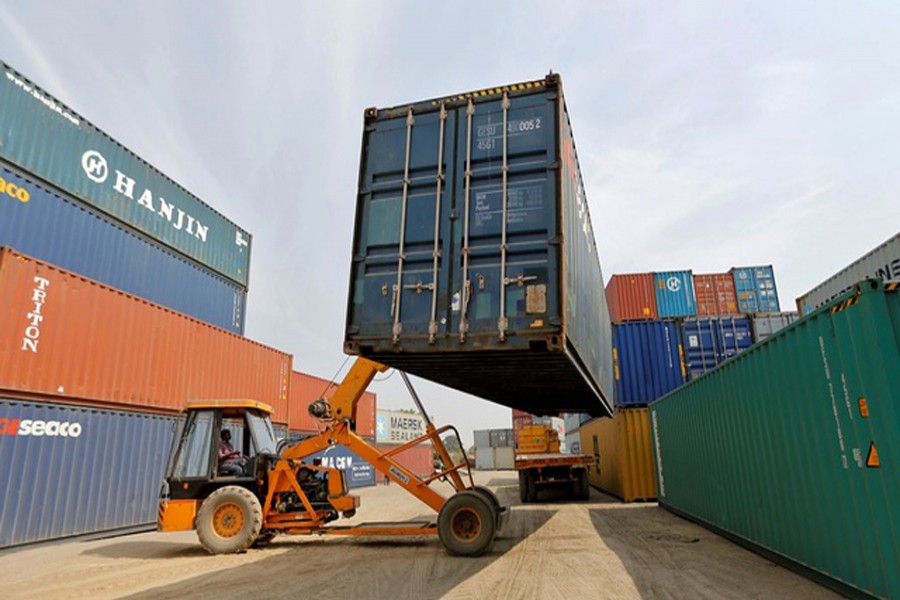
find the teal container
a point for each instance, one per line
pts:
(39, 134)
(793, 447)
(675, 294)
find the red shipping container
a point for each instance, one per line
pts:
(631, 297)
(418, 459)
(715, 295)
(306, 389)
(70, 338)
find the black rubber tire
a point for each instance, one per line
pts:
(229, 520)
(467, 524)
(530, 487)
(583, 488)
(523, 487)
(491, 497)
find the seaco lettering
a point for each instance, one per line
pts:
(97, 169)
(14, 191)
(39, 428)
(35, 316)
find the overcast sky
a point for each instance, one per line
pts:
(710, 134)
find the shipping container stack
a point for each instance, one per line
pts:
(124, 296)
(495, 449)
(671, 327)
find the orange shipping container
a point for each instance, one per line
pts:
(715, 295)
(67, 337)
(306, 389)
(631, 297)
(418, 459)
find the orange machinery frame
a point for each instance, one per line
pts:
(340, 432)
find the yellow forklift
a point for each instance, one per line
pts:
(282, 490)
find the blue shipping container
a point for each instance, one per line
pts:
(648, 361)
(709, 342)
(675, 294)
(755, 289)
(70, 235)
(474, 261)
(41, 135)
(71, 470)
(359, 473)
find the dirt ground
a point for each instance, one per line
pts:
(595, 549)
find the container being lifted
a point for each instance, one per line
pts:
(474, 261)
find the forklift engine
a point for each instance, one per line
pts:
(314, 484)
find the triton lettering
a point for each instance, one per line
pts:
(35, 316)
(96, 169)
(39, 428)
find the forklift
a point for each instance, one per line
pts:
(279, 489)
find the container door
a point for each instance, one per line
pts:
(504, 260)
(402, 233)
(700, 348)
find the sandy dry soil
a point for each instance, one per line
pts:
(596, 549)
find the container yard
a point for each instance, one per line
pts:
(501, 417)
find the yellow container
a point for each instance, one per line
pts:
(623, 457)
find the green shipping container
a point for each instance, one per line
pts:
(793, 447)
(40, 134)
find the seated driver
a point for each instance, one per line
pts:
(229, 458)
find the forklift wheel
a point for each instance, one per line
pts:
(490, 496)
(229, 520)
(466, 524)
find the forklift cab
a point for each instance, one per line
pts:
(195, 469)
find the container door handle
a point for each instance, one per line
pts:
(436, 252)
(401, 252)
(503, 322)
(464, 303)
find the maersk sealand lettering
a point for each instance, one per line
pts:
(125, 186)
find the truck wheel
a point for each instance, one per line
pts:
(530, 487)
(523, 487)
(583, 488)
(466, 524)
(229, 520)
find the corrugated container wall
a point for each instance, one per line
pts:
(631, 297)
(881, 263)
(66, 233)
(419, 459)
(709, 342)
(755, 289)
(623, 456)
(87, 163)
(71, 338)
(74, 470)
(715, 295)
(474, 262)
(675, 294)
(398, 426)
(90, 165)
(794, 445)
(766, 324)
(358, 472)
(649, 361)
(495, 459)
(306, 389)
